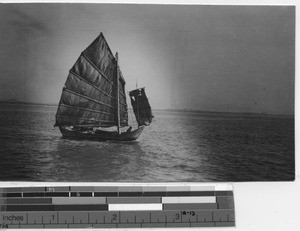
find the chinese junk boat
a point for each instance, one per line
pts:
(93, 102)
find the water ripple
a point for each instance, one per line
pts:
(178, 146)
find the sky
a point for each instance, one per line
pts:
(213, 58)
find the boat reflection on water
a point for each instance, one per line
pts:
(99, 161)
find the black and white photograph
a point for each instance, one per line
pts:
(147, 93)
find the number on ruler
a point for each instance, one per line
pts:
(51, 189)
(192, 213)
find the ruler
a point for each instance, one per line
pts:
(116, 206)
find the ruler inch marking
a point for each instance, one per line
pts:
(224, 224)
(181, 215)
(86, 214)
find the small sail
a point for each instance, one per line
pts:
(141, 106)
(89, 96)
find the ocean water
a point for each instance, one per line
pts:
(177, 146)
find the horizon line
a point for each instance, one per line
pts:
(160, 109)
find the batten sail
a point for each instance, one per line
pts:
(89, 96)
(122, 101)
(141, 106)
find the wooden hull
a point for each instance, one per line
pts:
(101, 135)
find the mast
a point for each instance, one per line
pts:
(137, 105)
(118, 96)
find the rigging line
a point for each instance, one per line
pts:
(86, 97)
(137, 106)
(137, 109)
(123, 94)
(121, 85)
(91, 84)
(118, 94)
(123, 104)
(132, 118)
(123, 110)
(91, 110)
(81, 78)
(96, 68)
(103, 60)
(122, 77)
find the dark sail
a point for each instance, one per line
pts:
(141, 106)
(122, 101)
(89, 96)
